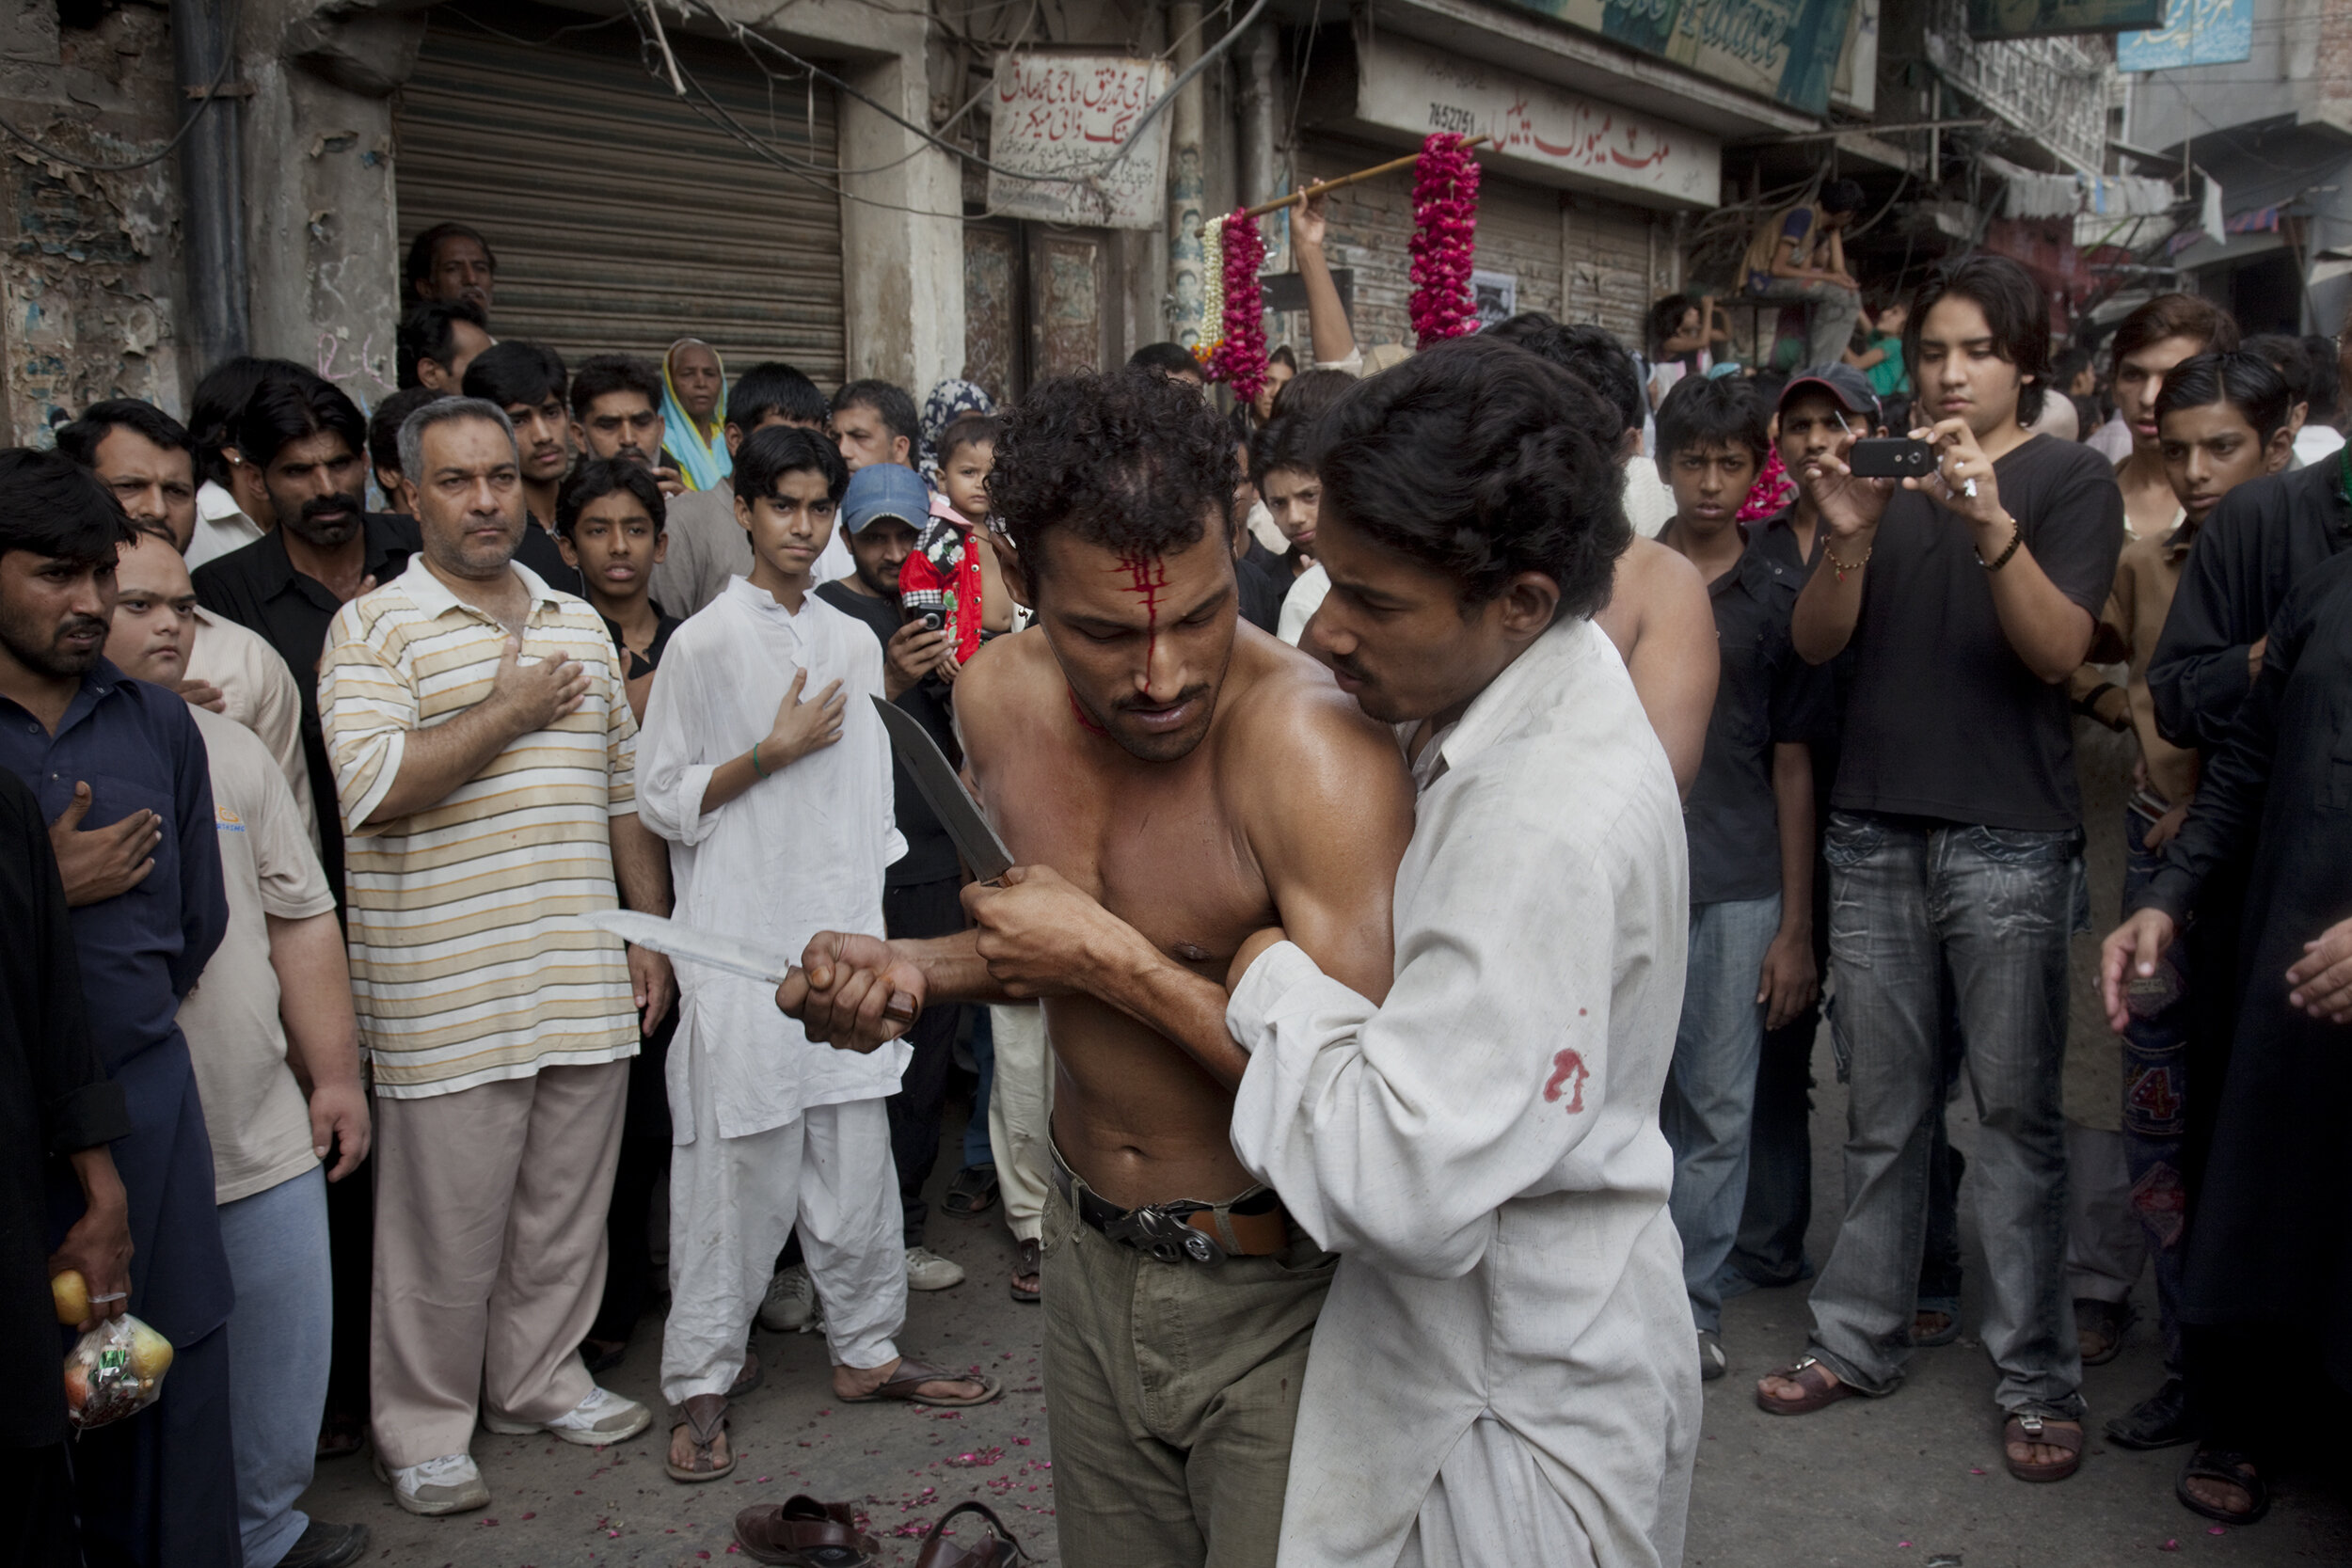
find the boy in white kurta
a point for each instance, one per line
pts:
(1503, 1371)
(770, 775)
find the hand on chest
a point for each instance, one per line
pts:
(1173, 866)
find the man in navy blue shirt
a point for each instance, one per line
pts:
(119, 773)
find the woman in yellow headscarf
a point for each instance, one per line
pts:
(694, 413)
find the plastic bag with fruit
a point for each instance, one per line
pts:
(114, 1371)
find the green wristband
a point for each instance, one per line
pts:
(762, 772)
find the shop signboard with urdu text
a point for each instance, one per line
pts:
(1580, 141)
(1066, 114)
(1785, 50)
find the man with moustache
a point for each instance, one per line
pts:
(308, 443)
(120, 773)
(882, 511)
(484, 793)
(144, 456)
(1149, 761)
(450, 261)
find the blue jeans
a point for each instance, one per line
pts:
(1711, 1092)
(2156, 1095)
(1909, 899)
(278, 1339)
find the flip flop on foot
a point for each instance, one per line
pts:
(699, 1449)
(2061, 1446)
(1028, 1278)
(2222, 1485)
(919, 1382)
(1801, 1390)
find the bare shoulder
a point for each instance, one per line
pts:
(1652, 584)
(1283, 719)
(998, 691)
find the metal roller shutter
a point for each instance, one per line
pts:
(622, 219)
(1609, 248)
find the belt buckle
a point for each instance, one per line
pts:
(1159, 1229)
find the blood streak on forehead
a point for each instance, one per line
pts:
(1147, 579)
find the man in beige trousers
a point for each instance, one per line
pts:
(485, 758)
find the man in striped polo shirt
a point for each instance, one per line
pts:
(484, 754)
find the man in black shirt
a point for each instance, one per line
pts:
(307, 441)
(1749, 819)
(608, 519)
(1969, 598)
(882, 514)
(310, 442)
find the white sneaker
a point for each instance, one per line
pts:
(928, 1271)
(790, 1307)
(449, 1484)
(603, 1417)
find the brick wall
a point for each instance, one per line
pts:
(1525, 230)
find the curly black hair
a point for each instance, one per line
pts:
(1482, 460)
(1131, 460)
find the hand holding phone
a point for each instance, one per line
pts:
(1890, 457)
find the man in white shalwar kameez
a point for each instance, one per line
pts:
(1502, 1373)
(769, 773)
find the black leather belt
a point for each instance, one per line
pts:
(1184, 1229)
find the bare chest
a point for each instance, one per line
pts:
(1163, 852)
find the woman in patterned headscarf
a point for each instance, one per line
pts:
(949, 402)
(694, 413)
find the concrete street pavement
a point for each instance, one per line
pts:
(1910, 1482)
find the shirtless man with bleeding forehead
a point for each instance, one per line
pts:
(1170, 782)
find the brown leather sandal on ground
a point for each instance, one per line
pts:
(1815, 1379)
(1001, 1552)
(804, 1533)
(2035, 1429)
(1028, 1264)
(912, 1375)
(705, 1423)
(751, 1377)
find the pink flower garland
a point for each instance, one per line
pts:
(1239, 360)
(1772, 490)
(1445, 239)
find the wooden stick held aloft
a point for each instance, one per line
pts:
(1358, 178)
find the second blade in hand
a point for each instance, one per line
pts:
(983, 852)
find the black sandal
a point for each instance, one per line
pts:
(2230, 1468)
(971, 1191)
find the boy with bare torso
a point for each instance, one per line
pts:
(1170, 782)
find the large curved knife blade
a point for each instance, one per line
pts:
(983, 852)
